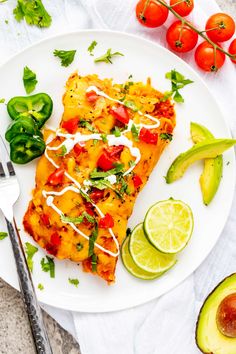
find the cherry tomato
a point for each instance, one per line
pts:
(151, 14)
(148, 137)
(184, 8)
(137, 181)
(220, 27)
(56, 177)
(206, 59)
(71, 125)
(96, 195)
(120, 113)
(55, 239)
(106, 222)
(45, 219)
(91, 96)
(78, 149)
(105, 162)
(232, 49)
(181, 38)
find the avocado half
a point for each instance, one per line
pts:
(208, 338)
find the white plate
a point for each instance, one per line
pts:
(142, 59)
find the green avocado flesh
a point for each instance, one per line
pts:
(203, 150)
(213, 168)
(208, 338)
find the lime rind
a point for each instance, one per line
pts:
(146, 256)
(131, 267)
(168, 226)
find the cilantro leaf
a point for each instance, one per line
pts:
(86, 124)
(116, 131)
(106, 58)
(29, 80)
(40, 286)
(48, 266)
(91, 47)
(92, 240)
(104, 138)
(3, 235)
(74, 282)
(178, 81)
(131, 105)
(30, 252)
(34, 13)
(63, 151)
(66, 56)
(135, 132)
(97, 174)
(78, 219)
(85, 196)
(166, 136)
(2, 100)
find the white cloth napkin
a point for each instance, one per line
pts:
(165, 325)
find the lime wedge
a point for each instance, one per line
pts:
(132, 267)
(169, 225)
(147, 257)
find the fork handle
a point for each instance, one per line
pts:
(33, 309)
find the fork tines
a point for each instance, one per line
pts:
(2, 173)
(4, 158)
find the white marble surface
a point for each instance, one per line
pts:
(15, 334)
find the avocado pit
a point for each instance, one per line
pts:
(226, 316)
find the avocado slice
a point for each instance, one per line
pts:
(208, 337)
(203, 150)
(213, 168)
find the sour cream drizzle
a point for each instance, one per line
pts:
(71, 140)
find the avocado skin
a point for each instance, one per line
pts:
(213, 168)
(203, 150)
(229, 280)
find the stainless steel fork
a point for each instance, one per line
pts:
(9, 193)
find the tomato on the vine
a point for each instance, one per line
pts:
(208, 58)
(182, 8)
(181, 38)
(151, 13)
(232, 49)
(220, 27)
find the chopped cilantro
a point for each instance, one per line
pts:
(91, 47)
(74, 282)
(104, 138)
(29, 80)
(92, 240)
(40, 286)
(130, 77)
(166, 136)
(2, 100)
(86, 124)
(97, 174)
(33, 12)
(78, 219)
(106, 58)
(6, 22)
(131, 105)
(66, 56)
(135, 132)
(85, 196)
(94, 260)
(79, 246)
(178, 81)
(3, 235)
(30, 252)
(63, 151)
(48, 266)
(116, 131)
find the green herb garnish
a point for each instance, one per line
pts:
(94, 260)
(131, 105)
(66, 56)
(79, 246)
(85, 124)
(40, 286)
(29, 80)
(33, 12)
(100, 174)
(166, 136)
(106, 58)
(104, 138)
(74, 282)
(2, 100)
(91, 47)
(30, 252)
(3, 235)
(178, 81)
(48, 266)
(85, 196)
(78, 219)
(63, 151)
(135, 132)
(116, 131)
(92, 240)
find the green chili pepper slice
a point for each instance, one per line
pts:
(22, 126)
(39, 107)
(25, 148)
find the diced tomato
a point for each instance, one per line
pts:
(55, 239)
(45, 219)
(114, 151)
(148, 137)
(91, 96)
(71, 125)
(120, 113)
(78, 149)
(105, 162)
(96, 195)
(56, 177)
(106, 222)
(51, 249)
(137, 181)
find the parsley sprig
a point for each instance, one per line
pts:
(92, 47)
(48, 266)
(29, 80)
(33, 12)
(178, 81)
(30, 252)
(66, 56)
(107, 57)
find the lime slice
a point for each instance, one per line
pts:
(147, 257)
(169, 225)
(132, 267)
